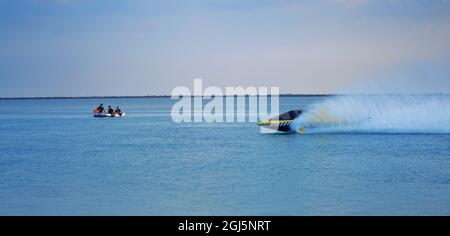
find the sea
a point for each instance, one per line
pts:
(359, 155)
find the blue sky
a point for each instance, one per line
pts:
(140, 47)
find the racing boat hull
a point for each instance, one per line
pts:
(282, 122)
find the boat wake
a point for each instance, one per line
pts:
(378, 114)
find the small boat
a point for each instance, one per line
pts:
(115, 115)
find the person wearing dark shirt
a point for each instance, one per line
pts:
(110, 110)
(118, 111)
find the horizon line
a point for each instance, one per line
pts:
(236, 95)
(146, 96)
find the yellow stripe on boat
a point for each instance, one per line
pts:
(274, 122)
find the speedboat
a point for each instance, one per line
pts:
(282, 122)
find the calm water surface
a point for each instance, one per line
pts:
(55, 159)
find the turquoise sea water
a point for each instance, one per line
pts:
(56, 159)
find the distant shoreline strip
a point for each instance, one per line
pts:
(150, 96)
(168, 96)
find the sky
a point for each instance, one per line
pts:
(149, 47)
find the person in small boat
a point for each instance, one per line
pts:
(110, 110)
(118, 111)
(99, 109)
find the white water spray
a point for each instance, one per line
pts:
(378, 114)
